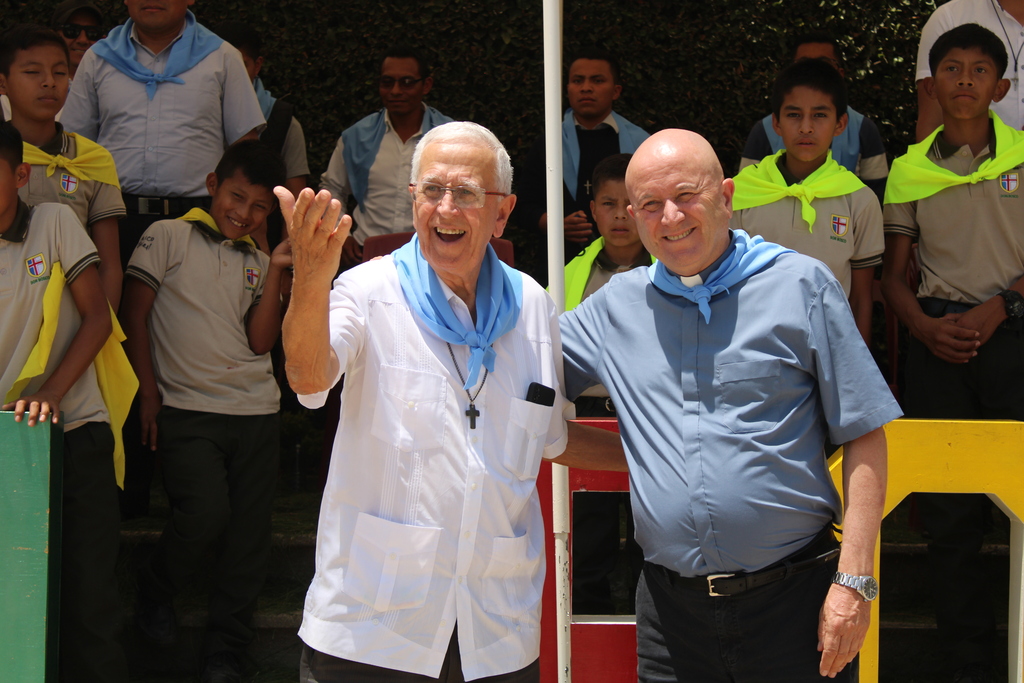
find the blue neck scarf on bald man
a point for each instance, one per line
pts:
(499, 298)
(747, 256)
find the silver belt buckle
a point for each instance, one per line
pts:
(711, 588)
(146, 206)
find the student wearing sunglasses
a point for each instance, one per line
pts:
(80, 24)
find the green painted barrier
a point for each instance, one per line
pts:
(30, 481)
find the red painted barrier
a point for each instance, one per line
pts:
(603, 650)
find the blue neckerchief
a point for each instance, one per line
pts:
(499, 297)
(845, 146)
(195, 44)
(630, 137)
(266, 100)
(748, 255)
(362, 141)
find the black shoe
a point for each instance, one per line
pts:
(974, 673)
(222, 667)
(157, 622)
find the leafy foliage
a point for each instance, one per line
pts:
(701, 65)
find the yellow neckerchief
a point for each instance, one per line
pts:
(91, 161)
(197, 214)
(763, 183)
(914, 176)
(577, 273)
(114, 375)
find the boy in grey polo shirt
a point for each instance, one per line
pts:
(957, 194)
(39, 247)
(202, 311)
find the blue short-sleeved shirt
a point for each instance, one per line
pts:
(724, 423)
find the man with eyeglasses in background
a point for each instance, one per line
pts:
(373, 158)
(859, 148)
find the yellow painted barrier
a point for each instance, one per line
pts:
(945, 456)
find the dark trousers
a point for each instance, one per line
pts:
(220, 472)
(764, 635)
(90, 607)
(317, 667)
(990, 386)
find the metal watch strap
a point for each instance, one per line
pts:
(865, 585)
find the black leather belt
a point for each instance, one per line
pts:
(174, 207)
(724, 585)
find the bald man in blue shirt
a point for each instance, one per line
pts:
(750, 359)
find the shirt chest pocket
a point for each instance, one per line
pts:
(746, 392)
(410, 409)
(390, 565)
(525, 436)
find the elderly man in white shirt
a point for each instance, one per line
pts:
(430, 551)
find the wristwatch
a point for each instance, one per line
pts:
(1014, 303)
(865, 585)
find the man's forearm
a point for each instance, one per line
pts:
(591, 448)
(864, 478)
(310, 362)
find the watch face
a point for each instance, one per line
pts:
(869, 588)
(1016, 309)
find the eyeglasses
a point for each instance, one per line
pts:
(72, 31)
(464, 196)
(406, 82)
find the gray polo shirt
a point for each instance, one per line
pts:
(971, 236)
(205, 286)
(28, 249)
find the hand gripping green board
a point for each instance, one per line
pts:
(30, 481)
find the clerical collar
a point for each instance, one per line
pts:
(702, 276)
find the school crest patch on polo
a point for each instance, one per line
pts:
(252, 276)
(68, 183)
(1009, 181)
(840, 224)
(36, 265)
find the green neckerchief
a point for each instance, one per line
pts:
(914, 176)
(763, 183)
(198, 215)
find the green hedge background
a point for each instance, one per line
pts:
(702, 65)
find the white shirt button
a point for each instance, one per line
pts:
(376, 621)
(149, 149)
(472, 487)
(394, 556)
(412, 404)
(443, 623)
(460, 579)
(473, 440)
(465, 535)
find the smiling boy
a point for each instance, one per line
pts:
(957, 193)
(801, 198)
(66, 168)
(202, 310)
(595, 531)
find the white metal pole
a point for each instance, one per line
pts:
(556, 286)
